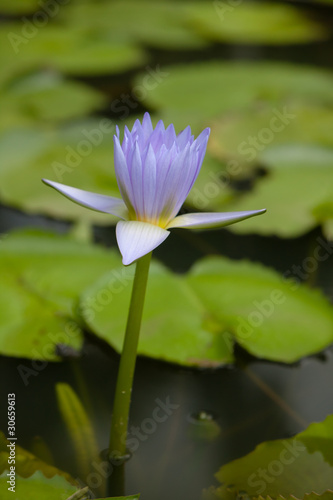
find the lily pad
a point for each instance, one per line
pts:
(213, 88)
(298, 182)
(45, 96)
(267, 315)
(300, 467)
(36, 480)
(42, 276)
(246, 135)
(78, 154)
(175, 325)
(156, 24)
(37, 487)
(254, 23)
(219, 303)
(19, 7)
(72, 51)
(26, 464)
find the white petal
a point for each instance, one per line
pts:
(211, 219)
(136, 239)
(95, 201)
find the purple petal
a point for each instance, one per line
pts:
(137, 180)
(170, 136)
(184, 137)
(147, 126)
(171, 198)
(206, 219)
(122, 174)
(136, 239)
(149, 185)
(95, 201)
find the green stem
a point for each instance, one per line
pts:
(122, 400)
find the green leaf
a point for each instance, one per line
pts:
(45, 96)
(248, 134)
(42, 277)
(27, 464)
(19, 7)
(74, 51)
(299, 181)
(299, 467)
(175, 326)
(36, 480)
(37, 487)
(156, 24)
(254, 23)
(79, 154)
(269, 316)
(212, 186)
(79, 427)
(219, 303)
(205, 90)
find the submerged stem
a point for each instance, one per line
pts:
(122, 400)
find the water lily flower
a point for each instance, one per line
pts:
(155, 171)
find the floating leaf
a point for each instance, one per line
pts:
(175, 326)
(37, 487)
(254, 23)
(215, 87)
(41, 278)
(45, 96)
(27, 464)
(298, 182)
(36, 480)
(270, 317)
(156, 24)
(220, 302)
(79, 154)
(72, 51)
(299, 467)
(212, 187)
(247, 134)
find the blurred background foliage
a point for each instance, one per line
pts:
(66, 65)
(72, 70)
